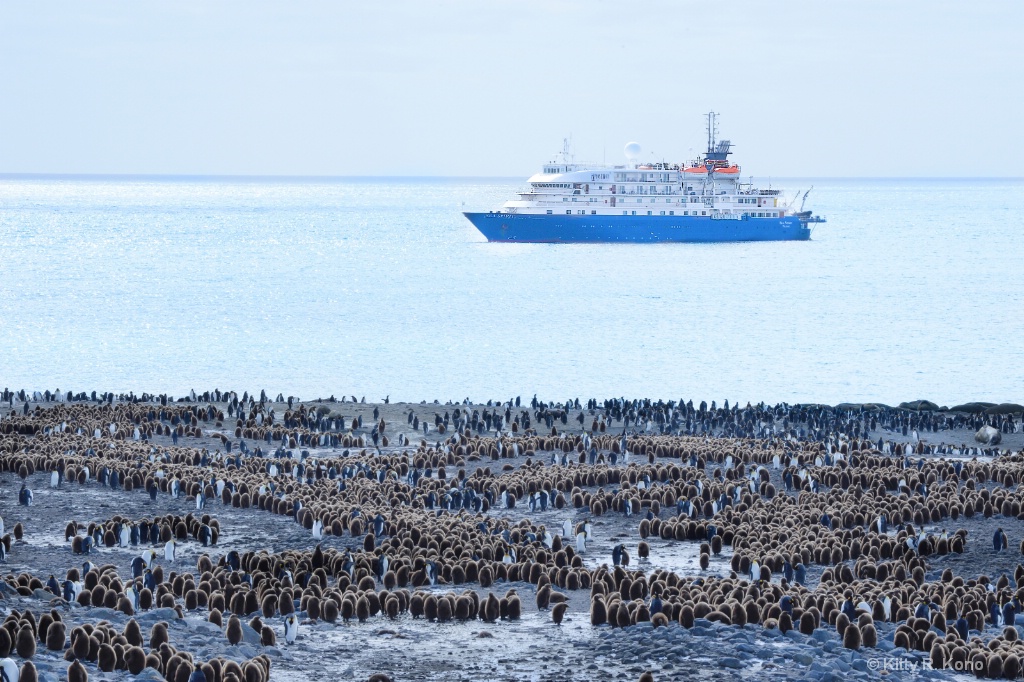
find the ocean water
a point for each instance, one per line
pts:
(913, 289)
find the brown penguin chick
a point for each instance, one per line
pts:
(107, 659)
(647, 676)
(79, 643)
(44, 623)
(643, 550)
(234, 631)
(124, 606)
(330, 611)
(363, 609)
(25, 642)
(183, 672)
(55, 636)
(869, 635)
(492, 608)
(5, 643)
(211, 670)
(851, 637)
(543, 597)
(267, 636)
(807, 623)
(216, 617)
(77, 672)
(313, 608)
(515, 606)
(558, 612)
(132, 632)
(135, 659)
(158, 635)
(19, 531)
(380, 677)
(28, 672)
(269, 605)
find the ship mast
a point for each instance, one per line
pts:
(712, 130)
(708, 163)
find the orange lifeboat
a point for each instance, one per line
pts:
(724, 170)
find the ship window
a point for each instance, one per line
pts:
(625, 213)
(568, 212)
(549, 211)
(703, 212)
(634, 212)
(593, 213)
(648, 213)
(662, 213)
(671, 212)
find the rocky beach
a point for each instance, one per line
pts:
(510, 540)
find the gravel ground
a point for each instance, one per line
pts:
(532, 648)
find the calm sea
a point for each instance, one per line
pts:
(913, 289)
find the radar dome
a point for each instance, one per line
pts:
(632, 151)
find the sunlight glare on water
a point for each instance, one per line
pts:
(913, 289)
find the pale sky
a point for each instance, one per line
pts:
(470, 88)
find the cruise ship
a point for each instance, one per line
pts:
(704, 200)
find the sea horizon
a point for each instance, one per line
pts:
(257, 177)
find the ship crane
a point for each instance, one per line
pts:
(804, 200)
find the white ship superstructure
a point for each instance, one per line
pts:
(625, 202)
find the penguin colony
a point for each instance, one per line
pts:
(425, 515)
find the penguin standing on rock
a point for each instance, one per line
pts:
(291, 628)
(25, 496)
(999, 542)
(169, 551)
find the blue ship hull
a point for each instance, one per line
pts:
(516, 227)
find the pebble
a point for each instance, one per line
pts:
(250, 636)
(111, 614)
(157, 615)
(149, 675)
(203, 626)
(730, 662)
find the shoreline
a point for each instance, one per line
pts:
(336, 474)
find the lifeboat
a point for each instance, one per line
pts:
(724, 170)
